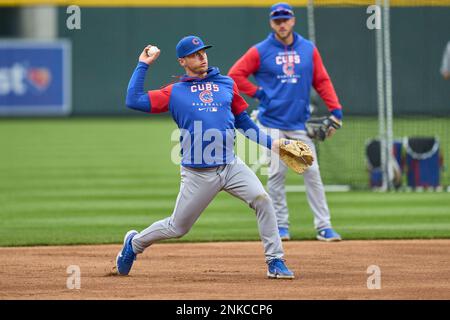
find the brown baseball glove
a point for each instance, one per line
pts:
(296, 154)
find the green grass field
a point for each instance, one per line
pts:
(80, 181)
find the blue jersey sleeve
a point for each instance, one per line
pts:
(250, 130)
(136, 98)
(337, 113)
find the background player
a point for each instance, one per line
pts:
(285, 66)
(203, 101)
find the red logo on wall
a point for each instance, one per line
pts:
(39, 77)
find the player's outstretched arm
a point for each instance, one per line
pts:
(251, 131)
(137, 98)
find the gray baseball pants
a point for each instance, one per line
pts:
(315, 191)
(198, 188)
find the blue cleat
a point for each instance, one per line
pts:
(284, 233)
(278, 270)
(126, 257)
(328, 234)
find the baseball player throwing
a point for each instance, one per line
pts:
(285, 66)
(207, 108)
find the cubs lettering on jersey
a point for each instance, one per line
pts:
(291, 57)
(205, 87)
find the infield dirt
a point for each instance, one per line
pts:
(410, 269)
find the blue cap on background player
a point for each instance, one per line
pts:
(281, 10)
(190, 44)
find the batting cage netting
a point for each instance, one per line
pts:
(387, 63)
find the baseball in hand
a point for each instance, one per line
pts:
(152, 50)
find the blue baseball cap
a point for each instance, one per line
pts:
(190, 44)
(281, 10)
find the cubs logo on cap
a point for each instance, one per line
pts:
(281, 10)
(189, 45)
